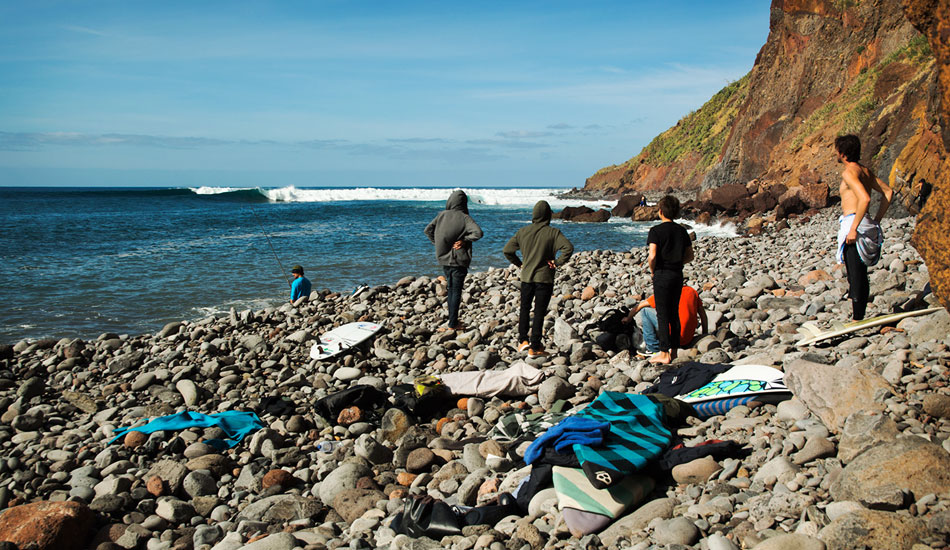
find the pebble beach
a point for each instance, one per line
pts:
(857, 458)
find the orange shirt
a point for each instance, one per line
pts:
(689, 310)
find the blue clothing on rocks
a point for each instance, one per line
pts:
(299, 288)
(637, 435)
(571, 430)
(234, 424)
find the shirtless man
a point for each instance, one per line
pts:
(859, 237)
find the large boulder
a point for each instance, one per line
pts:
(814, 195)
(625, 205)
(646, 213)
(789, 205)
(907, 463)
(871, 529)
(863, 431)
(763, 201)
(571, 212)
(729, 197)
(598, 216)
(47, 525)
(935, 326)
(834, 393)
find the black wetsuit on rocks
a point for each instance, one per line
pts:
(672, 241)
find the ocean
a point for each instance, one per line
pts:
(77, 262)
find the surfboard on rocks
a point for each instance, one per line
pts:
(812, 334)
(342, 338)
(737, 386)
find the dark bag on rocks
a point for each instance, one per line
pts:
(612, 321)
(615, 334)
(365, 397)
(426, 516)
(426, 398)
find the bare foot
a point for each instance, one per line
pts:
(661, 358)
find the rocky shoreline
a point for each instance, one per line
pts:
(858, 458)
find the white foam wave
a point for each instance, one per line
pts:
(204, 190)
(477, 196)
(722, 230)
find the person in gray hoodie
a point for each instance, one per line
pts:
(543, 249)
(453, 232)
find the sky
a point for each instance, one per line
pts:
(354, 93)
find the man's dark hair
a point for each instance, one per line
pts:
(670, 207)
(850, 146)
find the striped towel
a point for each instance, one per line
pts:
(637, 435)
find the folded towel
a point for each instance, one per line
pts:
(870, 239)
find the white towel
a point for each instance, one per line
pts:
(870, 239)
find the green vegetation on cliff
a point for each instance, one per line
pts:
(856, 106)
(701, 132)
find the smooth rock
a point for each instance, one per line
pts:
(696, 471)
(872, 529)
(833, 394)
(676, 531)
(277, 541)
(910, 463)
(638, 519)
(863, 431)
(790, 541)
(340, 479)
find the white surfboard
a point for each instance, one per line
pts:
(740, 380)
(813, 334)
(342, 338)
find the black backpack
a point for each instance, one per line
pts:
(612, 321)
(615, 334)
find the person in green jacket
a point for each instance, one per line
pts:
(543, 249)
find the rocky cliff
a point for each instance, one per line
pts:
(828, 67)
(932, 233)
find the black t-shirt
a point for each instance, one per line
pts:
(671, 240)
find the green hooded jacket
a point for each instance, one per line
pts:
(538, 243)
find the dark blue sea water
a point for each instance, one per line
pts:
(82, 261)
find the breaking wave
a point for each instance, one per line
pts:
(477, 196)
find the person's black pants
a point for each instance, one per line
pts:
(540, 294)
(454, 277)
(667, 287)
(860, 286)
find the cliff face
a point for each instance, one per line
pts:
(828, 67)
(681, 156)
(932, 233)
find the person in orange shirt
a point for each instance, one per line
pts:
(691, 314)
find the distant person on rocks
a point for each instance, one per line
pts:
(453, 232)
(543, 250)
(300, 287)
(859, 237)
(670, 249)
(643, 200)
(691, 314)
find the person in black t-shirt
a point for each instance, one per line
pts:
(670, 248)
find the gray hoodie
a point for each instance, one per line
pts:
(451, 225)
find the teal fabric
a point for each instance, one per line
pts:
(235, 425)
(299, 288)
